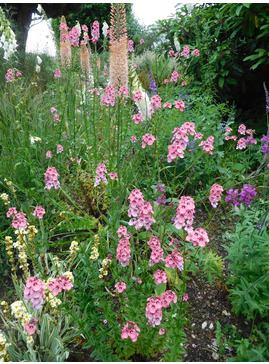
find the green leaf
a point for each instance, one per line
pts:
(237, 167)
(231, 81)
(221, 82)
(160, 289)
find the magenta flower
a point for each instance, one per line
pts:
(196, 52)
(84, 28)
(57, 73)
(59, 148)
(120, 286)
(30, 326)
(11, 211)
(142, 41)
(95, 32)
(162, 332)
(130, 330)
(39, 212)
(51, 178)
(48, 154)
(113, 175)
(9, 75)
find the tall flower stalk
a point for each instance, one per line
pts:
(118, 47)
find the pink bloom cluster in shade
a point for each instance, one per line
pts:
(59, 284)
(179, 104)
(175, 76)
(208, 145)
(109, 97)
(241, 144)
(130, 45)
(232, 137)
(185, 213)
(186, 52)
(155, 103)
(30, 326)
(120, 286)
(57, 73)
(180, 140)
(138, 118)
(147, 139)
(137, 96)
(100, 174)
(155, 305)
(242, 129)
(73, 37)
(184, 83)
(123, 252)
(34, 292)
(19, 221)
(51, 178)
(228, 130)
(39, 212)
(160, 277)
(140, 211)
(196, 52)
(174, 260)
(198, 136)
(122, 232)
(11, 211)
(95, 32)
(9, 75)
(48, 154)
(215, 194)
(198, 237)
(59, 148)
(123, 91)
(130, 330)
(156, 251)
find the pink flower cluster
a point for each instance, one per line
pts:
(138, 118)
(137, 96)
(179, 104)
(57, 285)
(57, 73)
(122, 231)
(147, 139)
(185, 213)
(196, 52)
(95, 32)
(179, 141)
(242, 129)
(9, 75)
(157, 251)
(140, 211)
(51, 178)
(160, 277)
(130, 45)
(48, 154)
(109, 98)
(155, 103)
(11, 211)
(100, 174)
(215, 194)
(30, 326)
(123, 252)
(59, 148)
(120, 286)
(174, 260)
(241, 144)
(175, 76)
(73, 37)
(39, 212)
(208, 145)
(34, 292)
(130, 330)
(19, 221)
(155, 305)
(168, 105)
(123, 91)
(185, 52)
(198, 237)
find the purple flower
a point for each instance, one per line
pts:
(266, 97)
(152, 85)
(232, 197)
(265, 146)
(161, 200)
(160, 188)
(247, 193)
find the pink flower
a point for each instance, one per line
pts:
(19, 221)
(65, 135)
(167, 104)
(138, 118)
(196, 52)
(63, 26)
(122, 231)
(185, 52)
(241, 144)
(142, 41)
(130, 330)
(162, 332)
(179, 104)
(155, 102)
(160, 277)
(95, 91)
(233, 137)
(18, 74)
(84, 28)
(73, 37)
(185, 297)
(34, 292)
(215, 194)
(113, 175)
(166, 81)
(184, 83)
(157, 252)
(198, 237)
(120, 286)
(167, 297)
(57, 285)
(154, 310)
(133, 139)
(174, 260)
(227, 130)
(56, 117)
(52, 109)
(130, 45)
(134, 65)
(140, 210)
(175, 76)
(137, 96)
(109, 98)
(100, 174)
(208, 145)
(30, 326)
(139, 280)
(57, 73)
(9, 75)
(123, 252)
(11, 211)
(89, 147)
(242, 129)
(198, 136)
(123, 91)
(59, 148)
(39, 212)
(185, 213)
(51, 178)
(171, 53)
(95, 33)
(147, 139)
